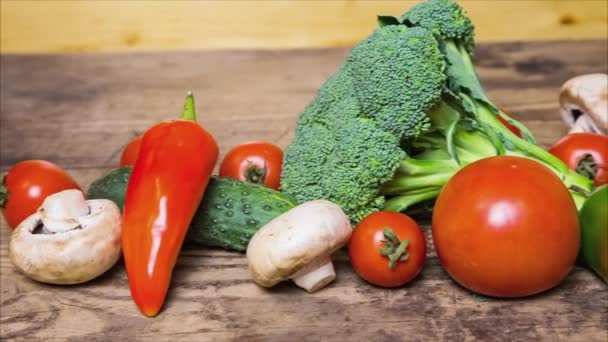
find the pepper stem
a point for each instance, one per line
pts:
(189, 113)
(395, 250)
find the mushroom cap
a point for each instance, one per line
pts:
(71, 257)
(587, 94)
(296, 239)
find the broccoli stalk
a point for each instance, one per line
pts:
(421, 176)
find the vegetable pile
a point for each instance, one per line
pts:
(403, 123)
(401, 116)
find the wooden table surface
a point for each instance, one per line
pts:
(79, 111)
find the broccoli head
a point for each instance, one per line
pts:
(347, 140)
(388, 91)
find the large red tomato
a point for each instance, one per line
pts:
(587, 153)
(506, 227)
(256, 162)
(383, 236)
(26, 186)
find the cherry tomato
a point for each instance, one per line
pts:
(376, 241)
(131, 152)
(26, 186)
(587, 153)
(506, 227)
(510, 127)
(256, 162)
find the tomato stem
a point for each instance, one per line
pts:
(189, 112)
(395, 249)
(255, 174)
(587, 166)
(3, 192)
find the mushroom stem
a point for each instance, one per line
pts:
(61, 210)
(583, 124)
(315, 276)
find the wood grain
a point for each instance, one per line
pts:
(79, 111)
(86, 26)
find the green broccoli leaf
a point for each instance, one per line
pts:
(385, 20)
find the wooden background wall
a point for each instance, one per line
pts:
(92, 26)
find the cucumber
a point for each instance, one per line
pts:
(112, 186)
(230, 213)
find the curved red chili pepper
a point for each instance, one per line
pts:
(166, 186)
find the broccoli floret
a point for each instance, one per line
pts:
(401, 116)
(386, 88)
(445, 18)
(335, 98)
(344, 162)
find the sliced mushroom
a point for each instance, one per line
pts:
(68, 240)
(298, 245)
(584, 103)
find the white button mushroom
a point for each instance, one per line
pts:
(298, 245)
(584, 103)
(68, 240)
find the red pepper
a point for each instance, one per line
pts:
(165, 188)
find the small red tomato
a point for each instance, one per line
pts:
(586, 153)
(387, 249)
(506, 227)
(256, 162)
(131, 152)
(27, 184)
(510, 127)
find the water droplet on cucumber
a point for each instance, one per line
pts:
(267, 207)
(246, 211)
(252, 223)
(246, 206)
(228, 204)
(245, 193)
(229, 213)
(244, 200)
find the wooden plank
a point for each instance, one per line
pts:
(78, 111)
(213, 298)
(85, 26)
